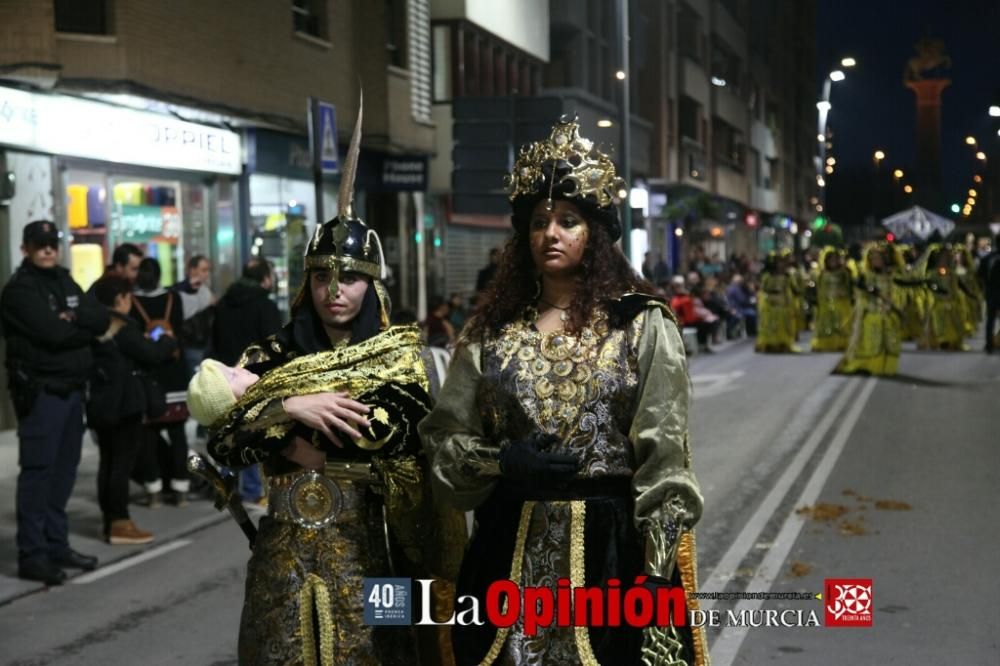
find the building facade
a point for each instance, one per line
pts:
(184, 128)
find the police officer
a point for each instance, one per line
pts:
(49, 326)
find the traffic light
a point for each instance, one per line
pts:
(819, 222)
(890, 237)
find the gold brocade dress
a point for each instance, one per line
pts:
(913, 303)
(876, 338)
(778, 318)
(618, 399)
(945, 324)
(833, 311)
(304, 597)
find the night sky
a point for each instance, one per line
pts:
(871, 108)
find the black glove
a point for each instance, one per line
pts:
(527, 460)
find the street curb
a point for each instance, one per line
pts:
(196, 526)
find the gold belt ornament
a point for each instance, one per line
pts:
(312, 499)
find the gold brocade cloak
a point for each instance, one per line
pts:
(393, 356)
(297, 571)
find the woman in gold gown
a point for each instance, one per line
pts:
(875, 336)
(778, 318)
(971, 293)
(563, 421)
(944, 323)
(834, 296)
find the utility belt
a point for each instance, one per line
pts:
(575, 489)
(314, 499)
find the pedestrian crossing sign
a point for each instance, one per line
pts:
(325, 137)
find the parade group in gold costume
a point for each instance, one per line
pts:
(867, 309)
(562, 424)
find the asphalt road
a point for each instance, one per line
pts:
(807, 476)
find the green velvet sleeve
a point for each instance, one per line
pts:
(464, 467)
(659, 431)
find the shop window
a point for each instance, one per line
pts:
(163, 218)
(87, 17)
(309, 17)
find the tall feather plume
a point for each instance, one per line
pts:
(345, 202)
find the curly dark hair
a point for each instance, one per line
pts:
(604, 274)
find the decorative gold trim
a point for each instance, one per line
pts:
(515, 575)
(687, 564)
(314, 595)
(577, 575)
(343, 264)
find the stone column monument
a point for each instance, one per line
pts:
(925, 76)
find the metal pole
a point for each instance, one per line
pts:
(626, 167)
(821, 125)
(315, 139)
(626, 131)
(418, 209)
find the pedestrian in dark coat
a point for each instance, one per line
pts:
(989, 275)
(49, 325)
(245, 315)
(161, 466)
(118, 402)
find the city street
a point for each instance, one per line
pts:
(806, 476)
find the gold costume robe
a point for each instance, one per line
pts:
(778, 318)
(833, 310)
(876, 336)
(304, 598)
(945, 323)
(618, 399)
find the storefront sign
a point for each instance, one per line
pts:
(62, 125)
(404, 173)
(139, 224)
(278, 153)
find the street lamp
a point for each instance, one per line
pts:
(955, 208)
(972, 193)
(823, 110)
(977, 178)
(981, 156)
(879, 156)
(995, 111)
(898, 173)
(908, 189)
(971, 140)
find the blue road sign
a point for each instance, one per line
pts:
(326, 138)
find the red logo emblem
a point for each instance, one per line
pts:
(848, 602)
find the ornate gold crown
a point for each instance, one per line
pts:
(591, 171)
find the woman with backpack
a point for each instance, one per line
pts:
(163, 460)
(118, 401)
